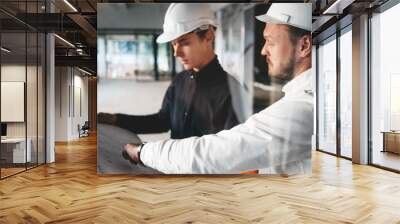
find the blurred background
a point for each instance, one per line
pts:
(134, 71)
(61, 50)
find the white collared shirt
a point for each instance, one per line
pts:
(275, 140)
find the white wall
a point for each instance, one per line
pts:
(14, 73)
(131, 14)
(61, 103)
(17, 73)
(33, 126)
(131, 97)
(80, 110)
(70, 83)
(136, 15)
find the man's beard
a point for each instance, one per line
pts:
(288, 72)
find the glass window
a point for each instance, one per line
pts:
(14, 151)
(385, 88)
(164, 59)
(120, 56)
(131, 56)
(327, 95)
(22, 92)
(145, 55)
(346, 93)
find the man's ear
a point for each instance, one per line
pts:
(210, 35)
(305, 43)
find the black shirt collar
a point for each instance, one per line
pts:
(212, 72)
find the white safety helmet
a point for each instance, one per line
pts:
(295, 14)
(183, 18)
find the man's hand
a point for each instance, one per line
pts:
(130, 152)
(106, 118)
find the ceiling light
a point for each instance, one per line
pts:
(5, 50)
(338, 6)
(65, 41)
(84, 71)
(70, 5)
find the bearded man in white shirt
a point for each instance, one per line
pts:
(276, 140)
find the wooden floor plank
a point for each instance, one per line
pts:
(70, 191)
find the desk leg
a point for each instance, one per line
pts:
(384, 142)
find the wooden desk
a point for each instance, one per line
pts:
(391, 141)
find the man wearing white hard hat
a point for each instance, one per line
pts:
(275, 140)
(198, 100)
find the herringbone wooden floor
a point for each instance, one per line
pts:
(70, 191)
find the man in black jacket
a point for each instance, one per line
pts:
(198, 101)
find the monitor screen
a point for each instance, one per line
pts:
(3, 129)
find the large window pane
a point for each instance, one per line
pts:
(385, 84)
(120, 56)
(13, 86)
(346, 93)
(131, 56)
(145, 55)
(327, 95)
(23, 89)
(164, 60)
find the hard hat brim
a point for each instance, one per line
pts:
(168, 37)
(268, 19)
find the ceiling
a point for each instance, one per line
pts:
(76, 22)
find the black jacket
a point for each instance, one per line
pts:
(195, 104)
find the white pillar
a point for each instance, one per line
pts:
(50, 99)
(360, 90)
(50, 92)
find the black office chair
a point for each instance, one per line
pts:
(84, 130)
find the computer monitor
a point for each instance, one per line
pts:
(3, 129)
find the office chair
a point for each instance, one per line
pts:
(84, 130)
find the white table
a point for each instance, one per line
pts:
(18, 149)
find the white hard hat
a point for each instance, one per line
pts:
(294, 14)
(183, 18)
